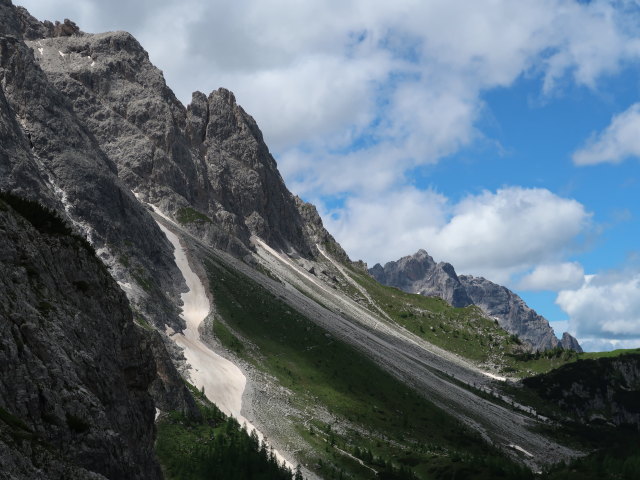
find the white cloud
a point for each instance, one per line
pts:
(556, 276)
(607, 306)
(607, 344)
(619, 141)
(491, 234)
(387, 228)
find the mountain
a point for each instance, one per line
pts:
(116, 198)
(420, 274)
(205, 165)
(75, 177)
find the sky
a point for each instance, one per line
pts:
(502, 136)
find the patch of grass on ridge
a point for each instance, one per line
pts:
(189, 215)
(467, 331)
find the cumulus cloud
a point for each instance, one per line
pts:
(607, 344)
(607, 306)
(557, 276)
(617, 142)
(493, 234)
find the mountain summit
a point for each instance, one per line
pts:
(419, 273)
(205, 165)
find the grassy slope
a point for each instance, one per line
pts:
(619, 459)
(466, 331)
(616, 451)
(612, 353)
(404, 428)
(190, 215)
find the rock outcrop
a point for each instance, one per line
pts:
(75, 374)
(568, 342)
(511, 312)
(419, 273)
(49, 154)
(79, 380)
(603, 390)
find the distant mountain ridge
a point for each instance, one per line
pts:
(419, 273)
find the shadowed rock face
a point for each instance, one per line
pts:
(603, 390)
(47, 153)
(419, 273)
(76, 373)
(512, 313)
(568, 342)
(75, 369)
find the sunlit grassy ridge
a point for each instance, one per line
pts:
(465, 331)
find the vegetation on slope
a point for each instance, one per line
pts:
(389, 427)
(465, 331)
(214, 447)
(43, 219)
(617, 458)
(590, 399)
(189, 215)
(605, 388)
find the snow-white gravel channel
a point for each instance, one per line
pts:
(223, 382)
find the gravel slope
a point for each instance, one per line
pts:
(432, 371)
(223, 382)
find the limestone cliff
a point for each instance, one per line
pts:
(419, 273)
(49, 154)
(206, 165)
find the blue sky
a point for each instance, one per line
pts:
(499, 135)
(535, 139)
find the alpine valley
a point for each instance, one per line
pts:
(169, 309)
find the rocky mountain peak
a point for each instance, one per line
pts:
(316, 233)
(568, 342)
(511, 312)
(206, 165)
(228, 120)
(419, 273)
